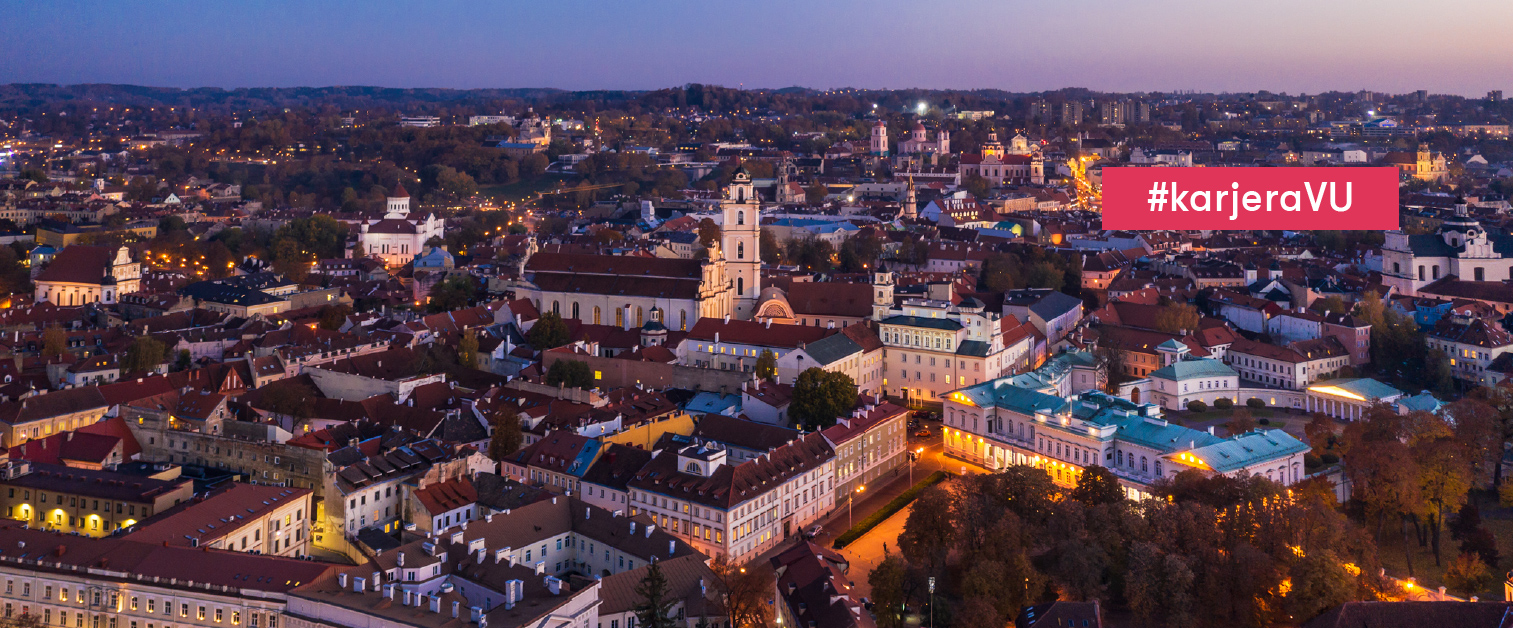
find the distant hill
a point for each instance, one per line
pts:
(26, 95)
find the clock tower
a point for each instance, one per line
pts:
(741, 239)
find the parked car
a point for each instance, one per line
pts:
(924, 433)
(814, 531)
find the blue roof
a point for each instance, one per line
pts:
(713, 403)
(1189, 369)
(1422, 401)
(1248, 449)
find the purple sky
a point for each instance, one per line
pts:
(1462, 47)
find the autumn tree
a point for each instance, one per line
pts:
(54, 342)
(1468, 575)
(332, 317)
(467, 349)
(767, 365)
(1177, 318)
(508, 435)
(1240, 422)
(144, 354)
(1444, 470)
(709, 233)
(743, 592)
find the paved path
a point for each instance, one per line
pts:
(867, 552)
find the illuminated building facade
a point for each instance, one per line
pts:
(997, 424)
(1348, 399)
(85, 502)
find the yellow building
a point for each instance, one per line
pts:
(86, 502)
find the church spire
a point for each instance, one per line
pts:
(910, 209)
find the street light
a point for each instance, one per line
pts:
(852, 498)
(912, 458)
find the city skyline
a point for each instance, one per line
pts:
(1166, 45)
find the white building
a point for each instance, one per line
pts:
(931, 347)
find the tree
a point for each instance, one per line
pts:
(709, 233)
(332, 317)
(1319, 430)
(287, 397)
(1240, 422)
(1097, 485)
(507, 437)
(930, 529)
(1319, 582)
(144, 354)
(654, 610)
(54, 342)
(887, 580)
(978, 612)
(816, 193)
(771, 249)
(1444, 470)
(454, 293)
(1175, 318)
(767, 365)
(1468, 575)
(819, 396)
(467, 349)
(744, 592)
(571, 373)
(549, 332)
(184, 361)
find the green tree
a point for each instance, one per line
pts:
(1097, 485)
(508, 435)
(467, 349)
(930, 529)
(144, 354)
(549, 332)
(287, 397)
(654, 609)
(454, 293)
(888, 580)
(767, 365)
(572, 373)
(184, 361)
(332, 317)
(819, 396)
(771, 249)
(1319, 582)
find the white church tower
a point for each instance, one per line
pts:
(740, 237)
(399, 203)
(879, 139)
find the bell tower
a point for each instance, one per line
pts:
(911, 202)
(740, 241)
(882, 292)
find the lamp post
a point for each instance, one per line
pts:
(852, 498)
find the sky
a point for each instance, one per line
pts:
(1458, 47)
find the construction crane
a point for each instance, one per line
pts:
(1089, 196)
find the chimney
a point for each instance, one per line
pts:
(703, 589)
(401, 559)
(512, 593)
(632, 527)
(474, 613)
(554, 585)
(672, 546)
(435, 603)
(456, 608)
(540, 567)
(1210, 430)
(358, 584)
(481, 552)
(499, 555)
(649, 530)
(588, 511)
(388, 592)
(409, 597)
(341, 580)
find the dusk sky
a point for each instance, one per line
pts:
(1462, 47)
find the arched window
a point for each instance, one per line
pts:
(575, 310)
(683, 320)
(596, 315)
(556, 310)
(740, 250)
(619, 317)
(740, 286)
(640, 317)
(740, 218)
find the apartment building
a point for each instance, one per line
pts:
(86, 502)
(932, 347)
(242, 518)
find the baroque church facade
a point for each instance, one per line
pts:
(1460, 247)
